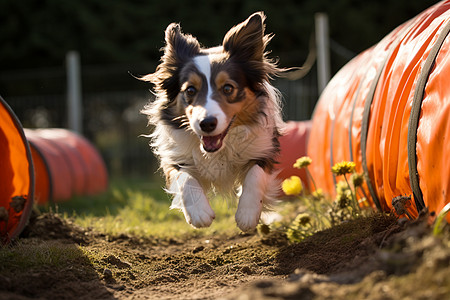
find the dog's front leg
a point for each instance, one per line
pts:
(251, 200)
(190, 198)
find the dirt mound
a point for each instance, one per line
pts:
(338, 248)
(395, 263)
(51, 226)
(358, 259)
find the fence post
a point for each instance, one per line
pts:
(323, 51)
(74, 102)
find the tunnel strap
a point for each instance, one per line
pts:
(414, 117)
(365, 128)
(366, 116)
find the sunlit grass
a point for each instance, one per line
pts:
(141, 208)
(26, 254)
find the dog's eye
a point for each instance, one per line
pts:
(228, 89)
(191, 91)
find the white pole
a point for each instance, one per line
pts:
(74, 105)
(323, 51)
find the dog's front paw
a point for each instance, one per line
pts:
(199, 216)
(247, 217)
(197, 210)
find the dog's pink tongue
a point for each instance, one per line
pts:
(212, 143)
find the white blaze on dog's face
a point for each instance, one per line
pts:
(217, 96)
(206, 117)
(212, 90)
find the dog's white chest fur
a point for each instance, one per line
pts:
(224, 172)
(226, 166)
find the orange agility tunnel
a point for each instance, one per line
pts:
(388, 110)
(66, 164)
(17, 175)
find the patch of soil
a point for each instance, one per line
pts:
(338, 248)
(375, 258)
(399, 262)
(52, 227)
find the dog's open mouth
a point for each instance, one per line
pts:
(214, 143)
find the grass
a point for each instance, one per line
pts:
(140, 208)
(136, 207)
(28, 254)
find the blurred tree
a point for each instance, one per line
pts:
(36, 33)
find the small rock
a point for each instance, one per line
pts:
(246, 270)
(117, 287)
(117, 262)
(263, 284)
(198, 249)
(107, 274)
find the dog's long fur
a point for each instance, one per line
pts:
(216, 121)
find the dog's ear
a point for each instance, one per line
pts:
(178, 50)
(247, 40)
(179, 47)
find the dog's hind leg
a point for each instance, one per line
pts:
(190, 198)
(253, 195)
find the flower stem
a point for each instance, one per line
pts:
(311, 177)
(364, 192)
(355, 203)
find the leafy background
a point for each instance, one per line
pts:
(38, 33)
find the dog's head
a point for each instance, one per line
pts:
(211, 90)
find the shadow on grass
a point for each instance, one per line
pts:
(48, 263)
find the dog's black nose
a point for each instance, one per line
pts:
(208, 124)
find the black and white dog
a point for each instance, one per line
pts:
(217, 120)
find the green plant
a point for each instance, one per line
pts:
(139, 207)
(437, 228)
(320, 212)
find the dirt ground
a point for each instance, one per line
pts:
(369, 258)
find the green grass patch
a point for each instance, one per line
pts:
(28, 254)
(140, 208)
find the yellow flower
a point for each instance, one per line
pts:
(302, 162)
(342, 187)
(301, 220)
(343, 194)
(343, 167)
(292, 186)
(318, 194)
(343, 200)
